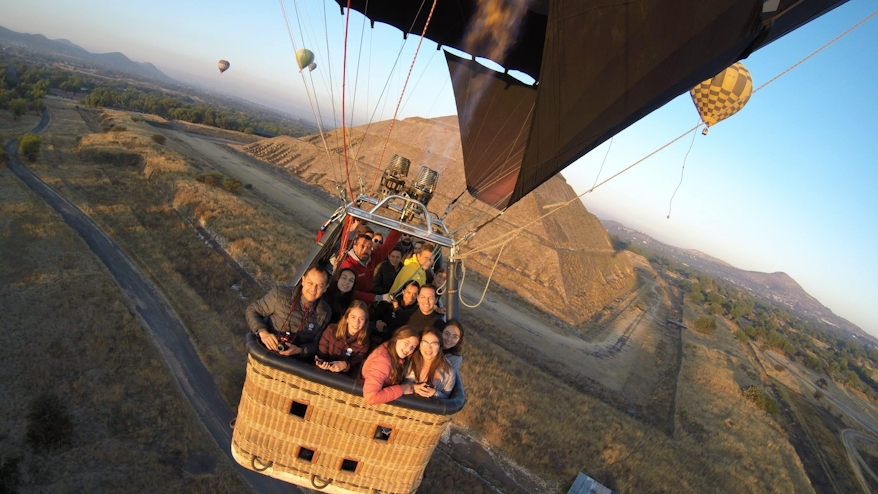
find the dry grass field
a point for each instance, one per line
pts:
(607, 416)
(68, 334)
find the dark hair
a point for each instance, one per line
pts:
(363, 235)
(428, 246)
(398, 369)
(341, 332)
(338, 301)
(455, 350)
(320, 269)
(431, 287)
(403, 288)
(438, 363)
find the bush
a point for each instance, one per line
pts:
(158, 139)
(49, 424)
(705, 324)
(29, 146)
(232, 185)
(818, 394)
(742, 336)
(119, 128)
(762, 400)
(214, 179)
(779, 368)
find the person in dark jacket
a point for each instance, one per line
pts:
(425, 316)
(391, 316)
(387, 271)
(363, 262)
(296, 315)
(340, 293)
(344, 346)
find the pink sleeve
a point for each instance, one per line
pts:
(376, 372)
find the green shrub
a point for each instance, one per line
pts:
(49, 424)
(742, 336)
(29, 146)
(762, 400)
(232, 185)
(119, 128)
(158, 139)
(214, 179)
(705, 324)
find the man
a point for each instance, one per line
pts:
(362, 260)
(425, 316)
(387, 271)
(296, 310)
(415, 268)
(405, 245)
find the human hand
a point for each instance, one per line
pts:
(441, 310)
(292, 350)
(384, 298)
(408, 388)
(380, 326)
(425, 390)
(269, 340)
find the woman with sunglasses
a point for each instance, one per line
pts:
(431, 374)
(387, 366)
(452, 338)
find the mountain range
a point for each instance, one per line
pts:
(779, 288)
(65, 49)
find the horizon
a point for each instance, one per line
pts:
(767, 190)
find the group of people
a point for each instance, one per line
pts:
(351, 322)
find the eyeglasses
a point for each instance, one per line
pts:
(376, 241)
(430, 343)
(451, 336)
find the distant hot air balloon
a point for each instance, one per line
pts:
(312, 66)
(304, 57)
(223, 66)
(722, 96)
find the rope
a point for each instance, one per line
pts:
(305, 83)
(603, 162)
(490, 276)
(401, 94)
(671, 202)
(344, 68)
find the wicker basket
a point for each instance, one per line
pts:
(313, 428)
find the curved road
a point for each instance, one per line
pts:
(162, 324)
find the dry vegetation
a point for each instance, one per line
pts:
(71, 341)
(552, 422)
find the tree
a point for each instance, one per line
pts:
(29, 146)
(17, 107)
(705, 324)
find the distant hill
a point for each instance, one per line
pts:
(778, 287)
(564, 263)
(63, 48)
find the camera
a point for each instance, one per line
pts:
(285, 341)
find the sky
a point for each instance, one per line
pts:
(788, 184)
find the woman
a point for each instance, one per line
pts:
(344, 346)
(387, 366)
(340, 293)
(431, 373)
(452, 338)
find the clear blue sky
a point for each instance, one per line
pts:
(788, 184)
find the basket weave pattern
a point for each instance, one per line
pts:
(337, 426)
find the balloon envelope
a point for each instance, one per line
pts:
(304, 57)
(223, 66)
(312, 66)
(723, 95)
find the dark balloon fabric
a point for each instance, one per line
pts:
(601, 65)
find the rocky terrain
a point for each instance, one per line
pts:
(565, 263)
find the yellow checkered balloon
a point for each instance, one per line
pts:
(722, 96)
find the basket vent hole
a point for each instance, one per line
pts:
(299, 409)
(349, 465)
(383, 433)
(305, 454)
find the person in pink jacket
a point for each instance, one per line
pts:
(387, 366)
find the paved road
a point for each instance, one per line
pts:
(162, 324)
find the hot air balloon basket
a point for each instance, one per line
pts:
(314, 435)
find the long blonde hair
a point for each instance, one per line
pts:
(341, 332)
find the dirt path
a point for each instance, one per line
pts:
(857, 462)
(163, 325)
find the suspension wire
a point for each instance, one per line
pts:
(487, 284)
(516, 231)
(344, 68)
(604, 161)
(304, 82)
(683, 169)
(402, 93)
(356, 83)
(438, 94)
(329, 61)
(417, 82)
